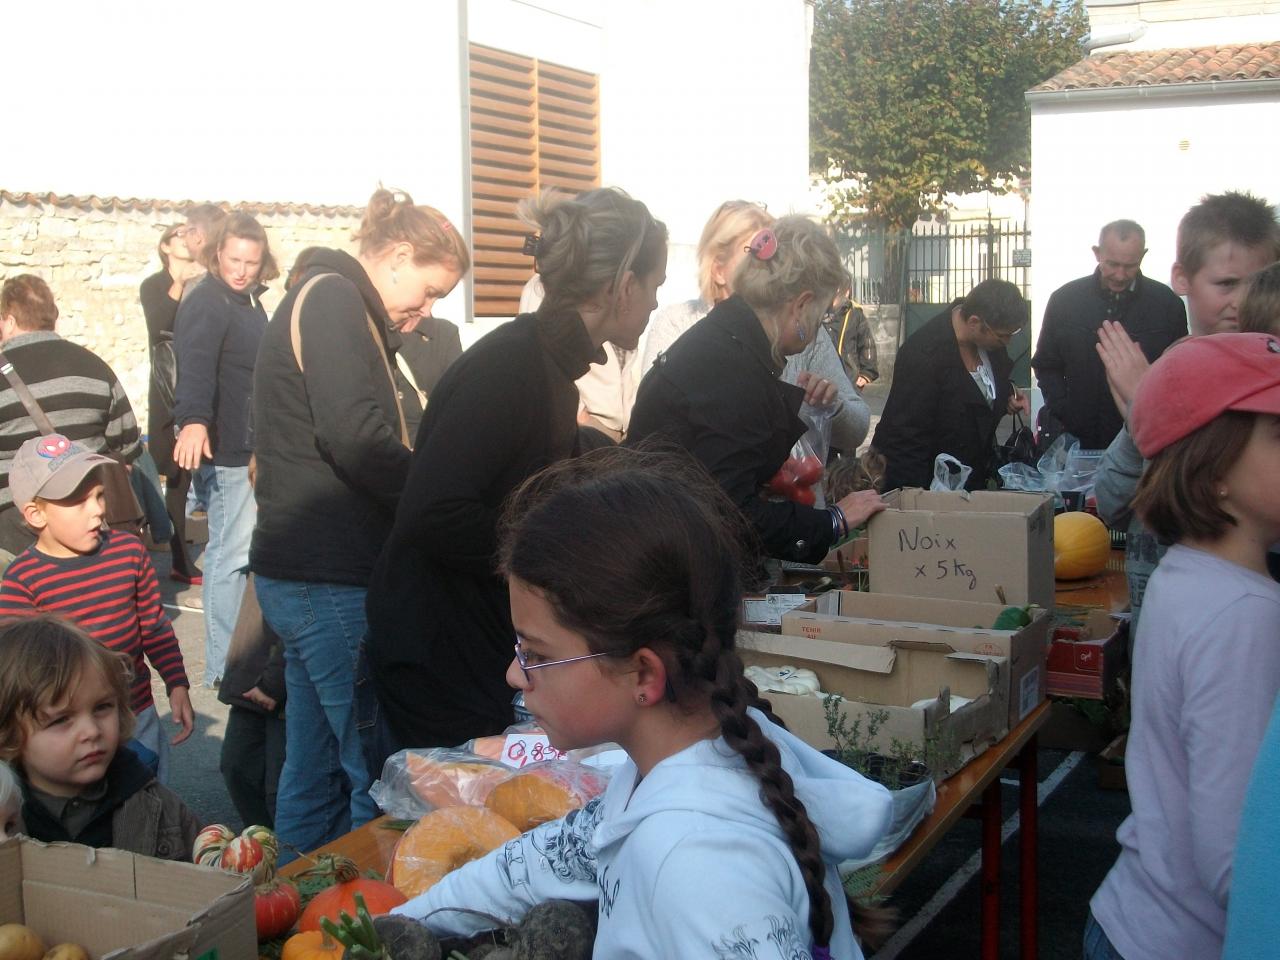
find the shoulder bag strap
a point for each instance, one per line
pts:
(42, 421)
(295, 337)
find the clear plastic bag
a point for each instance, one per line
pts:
(1063, 469)
(801, 474)
(949, 474)
(417, 781)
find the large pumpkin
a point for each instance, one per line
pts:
(379, 897)
(1081, 545)
(544, 792)
(442, 841)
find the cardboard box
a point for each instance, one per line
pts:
(123, 906)
(1111, 765)
(960, 623)
(1067, 728)
(1086, 662)
(962, 546)
(891, 675)
(764, 612)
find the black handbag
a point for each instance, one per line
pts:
(1020, 446)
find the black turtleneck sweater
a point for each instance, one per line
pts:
(440, 635)
(330, 462)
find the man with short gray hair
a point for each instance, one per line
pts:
(1066, 362)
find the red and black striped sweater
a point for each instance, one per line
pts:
(113, 595)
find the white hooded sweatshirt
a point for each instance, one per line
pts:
(687, 862)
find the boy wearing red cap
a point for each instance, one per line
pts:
(98, 578)
(1221, 241)
(1206, 659)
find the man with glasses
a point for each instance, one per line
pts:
(1067, 365)
(951, 388)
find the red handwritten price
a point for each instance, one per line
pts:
(522, 749)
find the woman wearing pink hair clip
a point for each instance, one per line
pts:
(1206, 659)
(717, 393)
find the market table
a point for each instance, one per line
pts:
(976, 787)
(974, 790)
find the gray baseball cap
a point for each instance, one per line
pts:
(51, 467)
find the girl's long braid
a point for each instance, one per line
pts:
(731, 695)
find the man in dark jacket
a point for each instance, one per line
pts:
(951, 388)
(1068, 368)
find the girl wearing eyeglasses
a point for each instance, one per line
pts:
(722, 830)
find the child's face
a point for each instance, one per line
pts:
(69, 744)
(70, 527)
(578, 704)
(1213, 292)
(1252, 495)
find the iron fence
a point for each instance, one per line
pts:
(935, 262)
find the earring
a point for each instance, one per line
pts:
(1222, 493)
(394, 278)
(800, 331)
(643, 698)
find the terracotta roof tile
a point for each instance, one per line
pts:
(1139, 68)
(93, 202)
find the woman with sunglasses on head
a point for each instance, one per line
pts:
(721, 248)
(718, 391)
(951, 388)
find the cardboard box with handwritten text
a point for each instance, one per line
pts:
(962, 546)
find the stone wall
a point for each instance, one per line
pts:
(95, 252)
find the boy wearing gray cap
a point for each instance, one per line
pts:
(100, 579)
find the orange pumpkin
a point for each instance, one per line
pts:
(379, 897)
(1081, 545)
(452, 783)
(544, 792)
(442, 841)
(312, 945)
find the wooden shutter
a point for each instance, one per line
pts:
(533, 125)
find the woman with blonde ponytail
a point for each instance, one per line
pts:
(439, 619)
(332, 455)
(720, 835)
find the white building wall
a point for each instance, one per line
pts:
(252, 100)
(700, 102)
(1143, 159)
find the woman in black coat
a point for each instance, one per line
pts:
(440, 636)
(716, 391)
(951, 388)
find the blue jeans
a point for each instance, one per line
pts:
(232, 513)
(1096, 944)
(324, 787)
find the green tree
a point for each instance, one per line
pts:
(913, 99)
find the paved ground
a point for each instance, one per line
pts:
(939, 904)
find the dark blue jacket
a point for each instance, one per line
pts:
(217, 333)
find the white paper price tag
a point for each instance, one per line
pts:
(522, 749)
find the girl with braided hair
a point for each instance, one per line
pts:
(719, 836)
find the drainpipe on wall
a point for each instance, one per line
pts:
(1126, 33)
(464, 85)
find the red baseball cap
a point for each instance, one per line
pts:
(1200, 377)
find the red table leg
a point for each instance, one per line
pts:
(991, 871)
(1028, 844)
